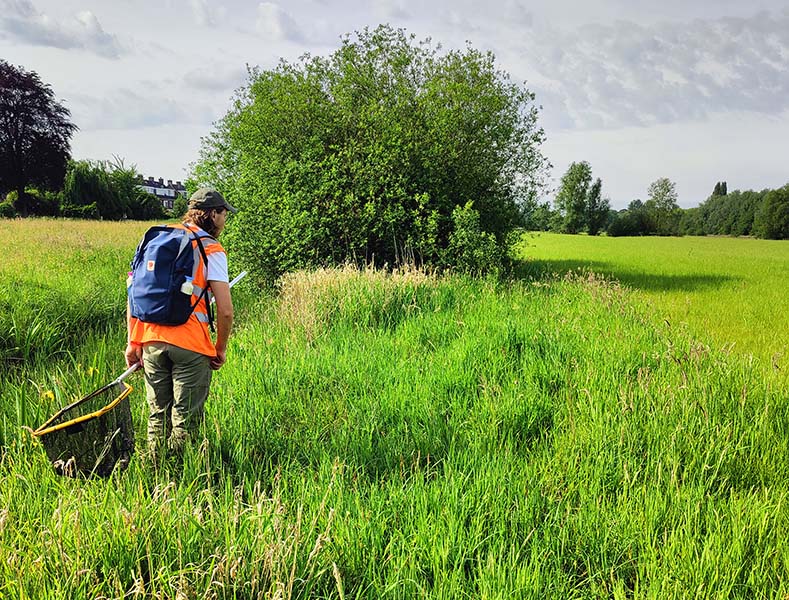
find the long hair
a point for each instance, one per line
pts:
(203, 219)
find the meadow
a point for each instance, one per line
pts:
(731, 292)
(398, 435)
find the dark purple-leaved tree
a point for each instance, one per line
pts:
(35, 131)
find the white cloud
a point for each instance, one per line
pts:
(20, 21)
(517, 12)
(134, 109)
(207, 13)
(624, 74)
(152, 150)
(392, 9)
(215, 78)
(276, 24)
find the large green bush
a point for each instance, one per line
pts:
(42, 203)
(107, 190)
(7, 210)
(88, 184)
(364, 155)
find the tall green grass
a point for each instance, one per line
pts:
(61, 280)
(399, 435)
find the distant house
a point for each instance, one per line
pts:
(166, 192)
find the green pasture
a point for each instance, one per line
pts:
(62, 280)
(399, 436)
(732, 293)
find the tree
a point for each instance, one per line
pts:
(772, 218)
(131, 200)
(572, 199)
(539, 218)
(662, 205)
(580, 202)
(364, 155)
(88, 193)
(107, 190)
(180, 206)
(720, 189)
(634, 220)
(691, 222)
(34, 134)
(597, 209)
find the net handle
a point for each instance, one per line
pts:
(127, 372)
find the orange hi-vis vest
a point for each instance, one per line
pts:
(192, 335)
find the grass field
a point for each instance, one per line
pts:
(729, 292)
(403, 436)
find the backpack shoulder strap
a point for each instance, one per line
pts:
(204, 294)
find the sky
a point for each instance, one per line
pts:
(693, 90)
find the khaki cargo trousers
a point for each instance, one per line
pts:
(176, 384)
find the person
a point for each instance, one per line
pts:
(178, 360)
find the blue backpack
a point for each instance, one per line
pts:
(159, 286)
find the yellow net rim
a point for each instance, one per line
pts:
(44, 430)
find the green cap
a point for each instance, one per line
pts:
(206, 198)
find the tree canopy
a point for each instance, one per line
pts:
(771, 220)
(662, 206)
(107, 190)
(35, 133)
(579, 201)
(382, 152)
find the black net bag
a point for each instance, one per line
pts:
(94, 435)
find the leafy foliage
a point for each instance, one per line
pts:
(180, 206)
(662, 206)
(471, 249)
(597, 209)
(772, 218)
(730, 214)
(719, 189)
(659, 215)
(107, 190)
(137, 203)
(539, 217)
(572, 197)
(7, 210)
(364, 155)
(43, 203)
(629, 222)
(88, 184)
(34, 135)
(579, 201)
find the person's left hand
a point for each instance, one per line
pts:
(219, 360)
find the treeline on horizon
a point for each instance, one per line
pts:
(762, 214)
(579, 208)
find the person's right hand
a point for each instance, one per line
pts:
(133, 354)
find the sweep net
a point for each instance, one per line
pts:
(91, 436)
